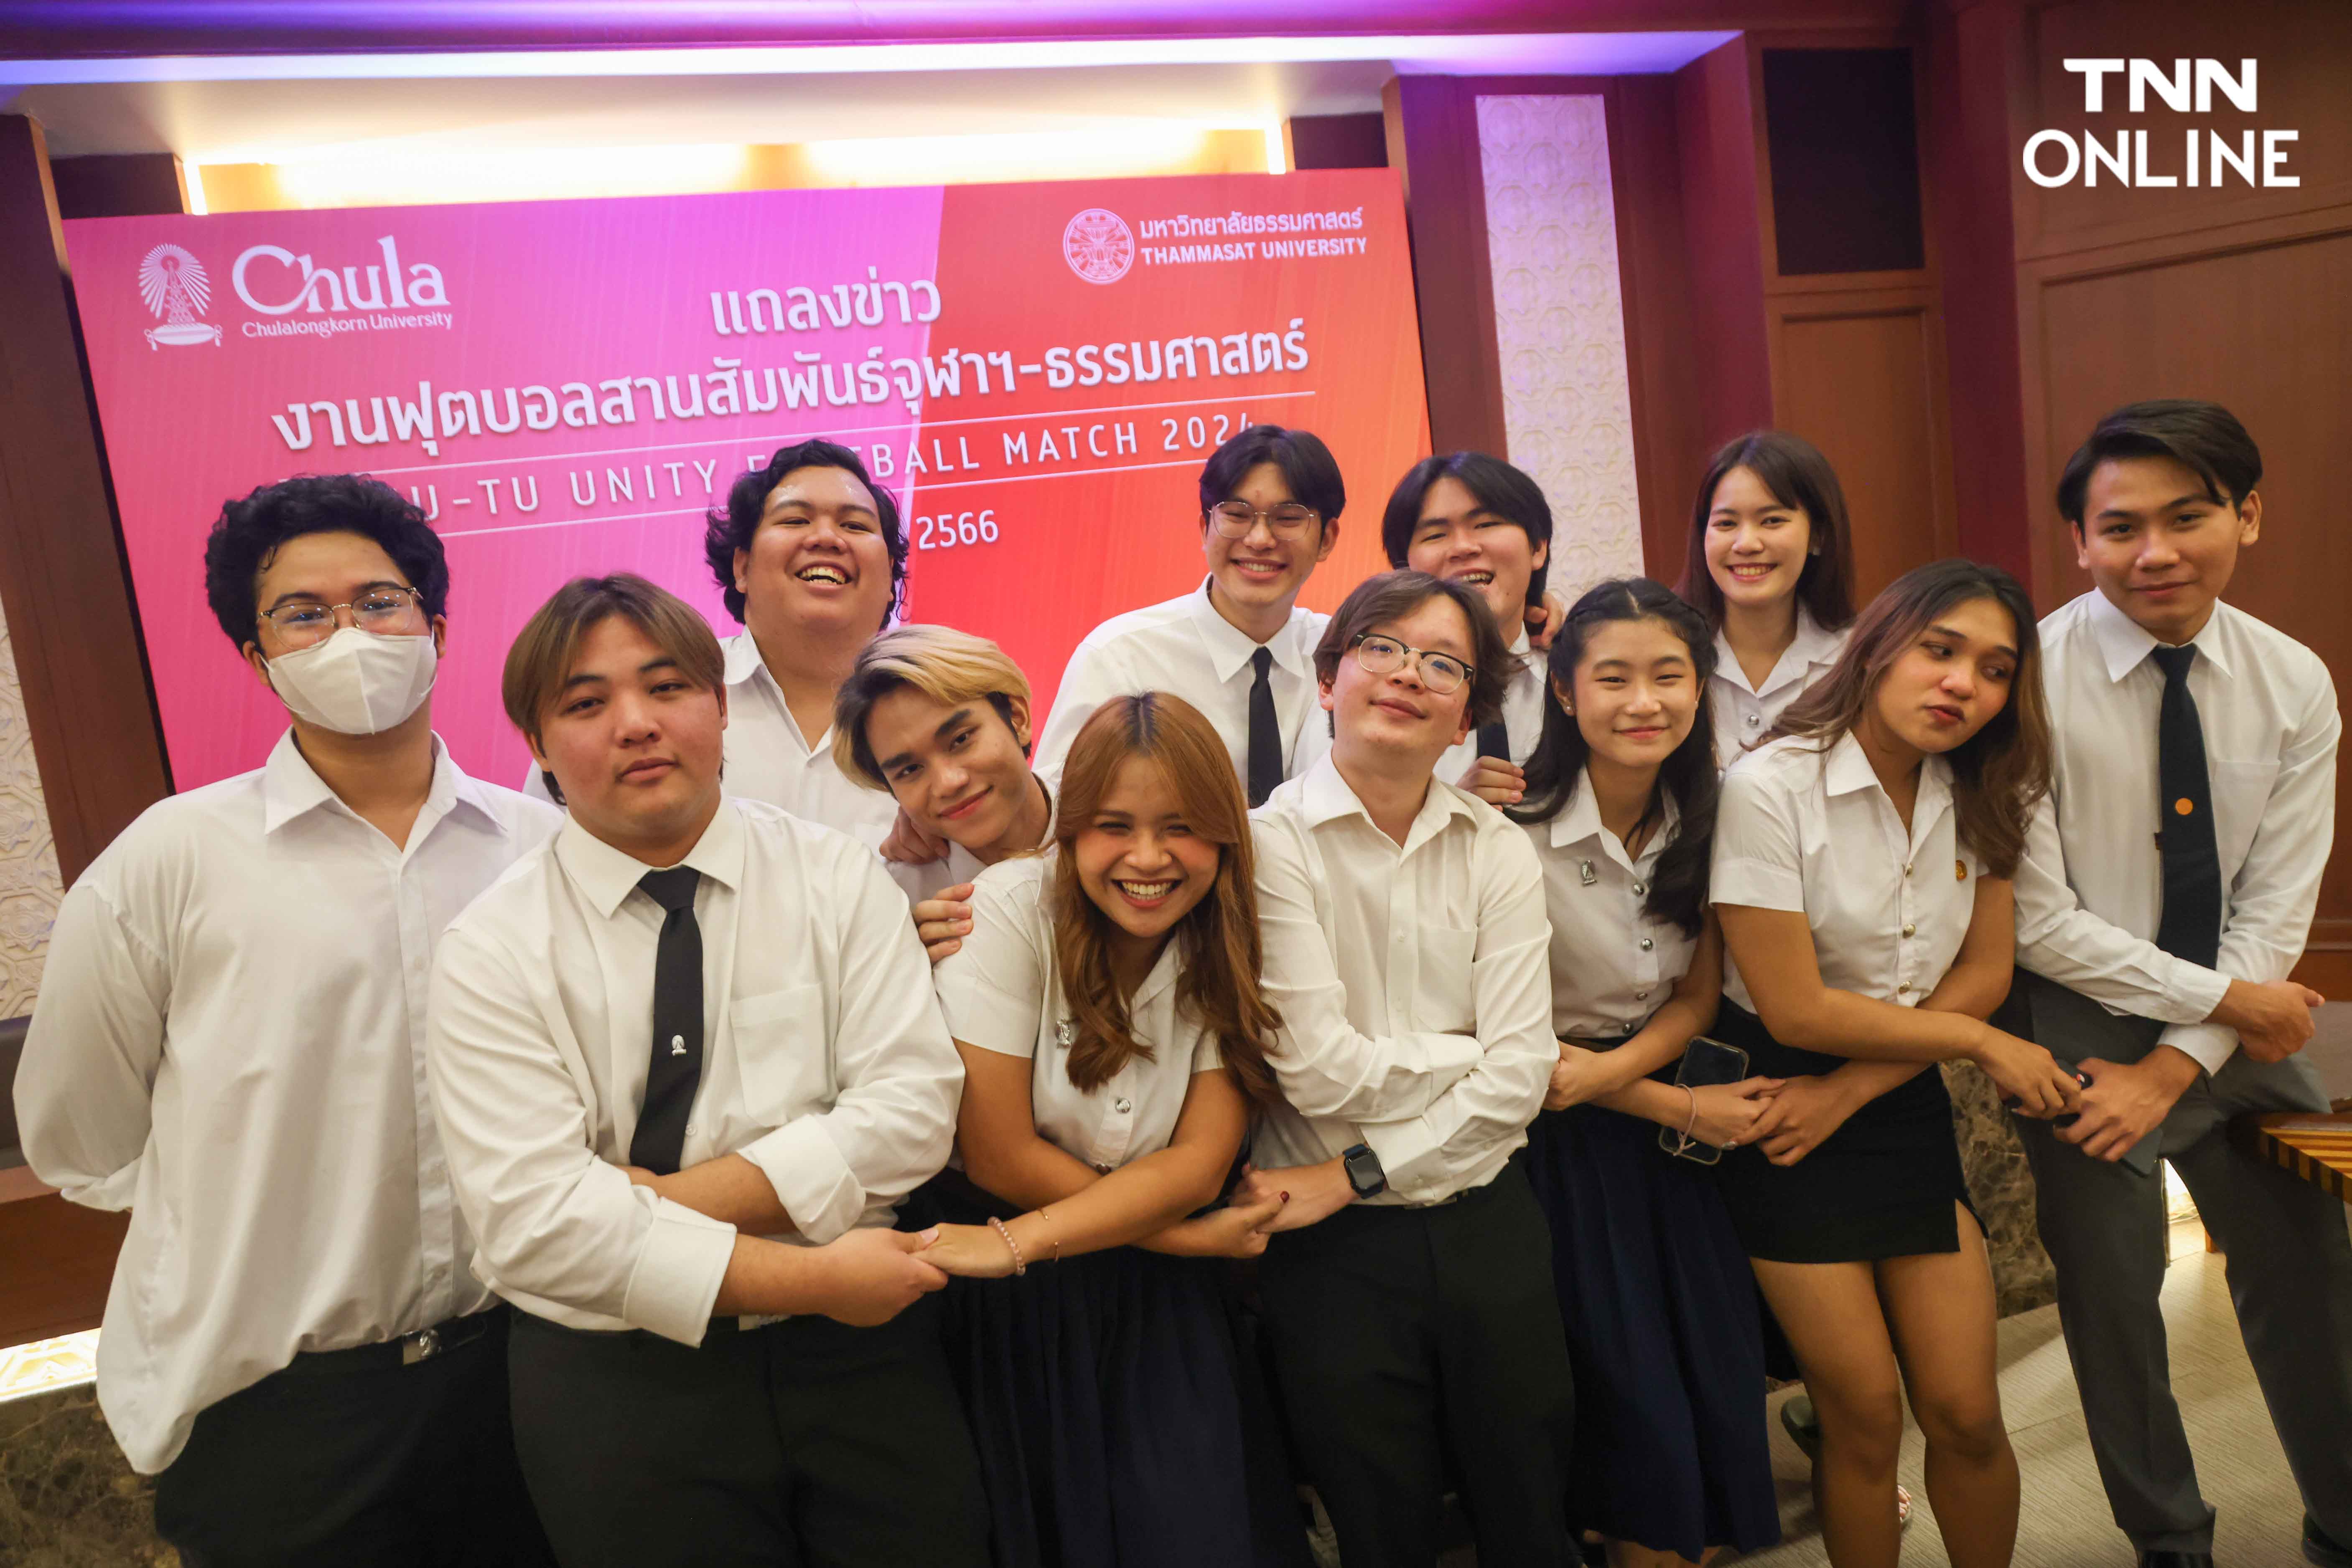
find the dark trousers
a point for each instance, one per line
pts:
(805, 1442)
(2289, 1264)
(352, 1459)
(1418, 1346)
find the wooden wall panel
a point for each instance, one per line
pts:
(1863, 380)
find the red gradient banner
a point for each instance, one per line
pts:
(1036, 371)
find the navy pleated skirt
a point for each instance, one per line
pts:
(1103, 1398)
(1663, 1332)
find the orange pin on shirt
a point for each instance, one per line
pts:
(1959, 870)
(2184, 805)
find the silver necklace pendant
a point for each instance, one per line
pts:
(1065, 1033)
(1586, 874)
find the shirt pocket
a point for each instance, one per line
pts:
(2246, 786)
(1446, 1002)
(782, 1053)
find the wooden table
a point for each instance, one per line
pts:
(2313, 1145)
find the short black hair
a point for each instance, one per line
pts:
(1385, 596)
(248, 533)
(1509, 493)
(728, 530)
(2203, 437)
(1307, 465)
(1797, 475)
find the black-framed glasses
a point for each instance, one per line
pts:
(1235, 519)
(1441, 672)
(377, 610)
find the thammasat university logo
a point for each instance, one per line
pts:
(1098, 245)
(174, 284)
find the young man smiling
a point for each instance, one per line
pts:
(1478, 520)
(230, 1044)
(689, 1059)
(2169, 889)
(1415, 1332)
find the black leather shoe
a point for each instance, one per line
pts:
(2176, 1560)
(2322, 1548)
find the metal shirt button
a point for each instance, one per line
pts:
(1640, 889)
(1641, 995)
(1122, 1105)
(1904, 989)
(1752, 720)
(1907, 868)
(1907, 929)
(1647, 944)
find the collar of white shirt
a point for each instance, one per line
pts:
(1324, 796)
(2125, 644)
(604, 875)
(1847, 769)
(290, 786)
(1813, 645)
(1580, 820)
(1230, 648)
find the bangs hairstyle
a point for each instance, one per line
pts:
(1220, 955)
(1688, 776)
(1793, 469)
(1999, 773)
(949, 667)
(1388, 596)
(725, 531)
(541, 659)
(1307, 465)
(248, 535)
(2203, 437)
(1509, 493)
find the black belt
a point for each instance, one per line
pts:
(449, 1334)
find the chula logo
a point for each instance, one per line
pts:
(314, 289)
(174, 284)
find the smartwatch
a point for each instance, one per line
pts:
(1364, 1172)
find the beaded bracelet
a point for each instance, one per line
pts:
(1019, 1264)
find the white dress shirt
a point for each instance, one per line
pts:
(825, 1063)
(1815, 833)
(928, 879)
(768, 757)
(1002, 992)
(1186, 648)
(2091, 893)
(229, 1043)
(1613, 963)
(1523, 714)
(1744, 714)
(1413, 984)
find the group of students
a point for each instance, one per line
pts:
(1423, 954)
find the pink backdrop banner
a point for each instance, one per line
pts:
(565, 386)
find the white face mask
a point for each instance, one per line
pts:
(356, 682)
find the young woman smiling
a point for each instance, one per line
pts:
(1106, 1007)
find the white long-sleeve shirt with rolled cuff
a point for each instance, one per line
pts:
(825, 1062)
(2090, 891)
(1413, 981)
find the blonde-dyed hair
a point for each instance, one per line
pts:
(541, 659)
(1220, 955)
(947, 665)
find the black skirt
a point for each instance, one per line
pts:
(1663, 1334)
(1882, 1185)
(1102, 1399)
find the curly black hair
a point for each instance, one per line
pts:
(249, 532)
(730, 528)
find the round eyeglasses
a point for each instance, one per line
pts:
(1441, 672)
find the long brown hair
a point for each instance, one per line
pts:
(1793, 469)
(1999, 773)
(1221, 956)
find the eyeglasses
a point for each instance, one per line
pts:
(1235, 519)
(1441, 672)
(377, 610)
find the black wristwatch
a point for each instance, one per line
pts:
(1364, 1172)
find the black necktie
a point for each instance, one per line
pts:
(1265, 734)
(676, 1064)
(1494, 740)
(2191, 924)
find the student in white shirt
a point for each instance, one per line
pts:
(1672, 1461)
(1238, 648)
(1413, 1328)
(1476, 519)
(2167, 891)
(811, 557)
(1769, 564)
(1862, 876)
(1108, 1010)
(687, 1060)
(938, 721)
(229, 1044)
